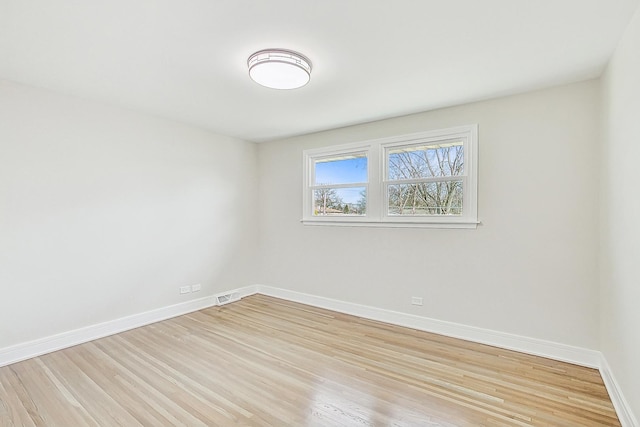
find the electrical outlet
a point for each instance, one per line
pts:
(196, 288)
(416, 300)
(185, 289)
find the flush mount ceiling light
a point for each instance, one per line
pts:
(279, 68)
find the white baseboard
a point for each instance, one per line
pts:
(56, 342)
(538, 347)
(552, 350)
(627, 419)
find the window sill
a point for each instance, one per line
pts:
(390, 224)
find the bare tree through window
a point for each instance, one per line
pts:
(423, 179)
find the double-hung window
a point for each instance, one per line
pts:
(427, 179)
(339, 184)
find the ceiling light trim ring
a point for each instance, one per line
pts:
(279, 56)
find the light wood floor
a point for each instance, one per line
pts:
(267, 362)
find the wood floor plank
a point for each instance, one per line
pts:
(269, 362)
(12, 410)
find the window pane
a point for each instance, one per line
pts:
(341, 170)
(340, 201)
(426, 161)
(426, 198)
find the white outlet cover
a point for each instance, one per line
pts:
(185, 289)
(196, 288)
(416, 300)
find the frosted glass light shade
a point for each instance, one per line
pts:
(279, 68)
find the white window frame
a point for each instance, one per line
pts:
(377, 170)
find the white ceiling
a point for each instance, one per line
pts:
(372, 59)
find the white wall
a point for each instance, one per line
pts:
(106, 212)
(529, 269)
(620, 333)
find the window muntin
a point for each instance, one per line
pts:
(427, 179)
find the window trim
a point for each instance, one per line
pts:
(376, 152)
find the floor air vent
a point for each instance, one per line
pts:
(227, 298)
